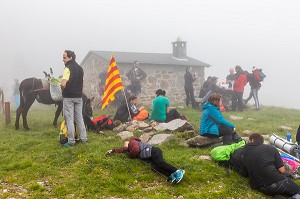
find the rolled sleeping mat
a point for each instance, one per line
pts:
(284, 145)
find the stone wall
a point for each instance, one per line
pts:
(169, 78)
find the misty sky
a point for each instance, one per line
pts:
(262, 33)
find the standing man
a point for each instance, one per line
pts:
(16, 93)
(266, 169)
(238, 89)
(71, 85)
(255, 86)
(230, 78)
(136, 75)
(189, 79)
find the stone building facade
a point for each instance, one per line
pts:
(165, 71)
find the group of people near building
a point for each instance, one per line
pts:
(236, 80)
(262, 162)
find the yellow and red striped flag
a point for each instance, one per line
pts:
(113, 83)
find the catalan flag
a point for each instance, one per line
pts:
(113, 83)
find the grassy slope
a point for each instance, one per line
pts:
(27, 158)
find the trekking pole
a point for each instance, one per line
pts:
(127, 103)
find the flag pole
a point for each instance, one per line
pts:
(127, 103)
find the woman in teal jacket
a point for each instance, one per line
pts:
(213, 124)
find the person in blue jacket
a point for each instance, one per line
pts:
(213, 124)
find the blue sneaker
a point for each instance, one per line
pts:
(69, 144)
(172, 178)
(179, 175)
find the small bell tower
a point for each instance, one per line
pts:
(179, 48)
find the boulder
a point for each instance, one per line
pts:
(174, 125)
(160, 138)
(233, 117)
(146, 136)
(143, 125)
(285, 128)
(247, 132)
(125, 135)
(201, 141)
(121, 127)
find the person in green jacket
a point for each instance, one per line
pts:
(161, 111)
(213, 124)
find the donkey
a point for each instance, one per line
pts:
(32, 89)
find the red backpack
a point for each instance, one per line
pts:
(259, 75)
(103, 123)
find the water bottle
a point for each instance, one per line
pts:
(289, 137)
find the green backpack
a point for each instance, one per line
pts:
(222, 153)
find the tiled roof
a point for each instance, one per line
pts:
(147, 58)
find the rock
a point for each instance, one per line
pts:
(125, 134)
(247, 132)
(266, 137)
(174, 125)
(132, 128)
(146, 136)
(149, 129)
(286, 128)
(143, 125)
(201, 141)
(122, 127)
(246, 139)
(204, 157)
(233, 117)
(160, 138)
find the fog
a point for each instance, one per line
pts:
(264, 34)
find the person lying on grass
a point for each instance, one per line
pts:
(137, 149)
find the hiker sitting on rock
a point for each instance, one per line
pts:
(134, 113)
(161, 111)
(137, 149)
(213, 124)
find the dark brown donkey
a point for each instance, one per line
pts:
(32, 89)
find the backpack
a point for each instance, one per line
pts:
(223, 152)
(63, 133)
(259, 75)
(103, 123)
(229, 156)
(143, 115)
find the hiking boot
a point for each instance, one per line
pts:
(68, 144)
(172, 178)
(179, 175)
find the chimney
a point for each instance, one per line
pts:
(179, 48)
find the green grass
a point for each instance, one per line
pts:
(28, 158)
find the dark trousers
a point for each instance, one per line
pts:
(172, 115)
(237, 101)
(158, 163)
(284, 187)
(226, 133)
(189, 92)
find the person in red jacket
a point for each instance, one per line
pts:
(238, 89)
(135, 148)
